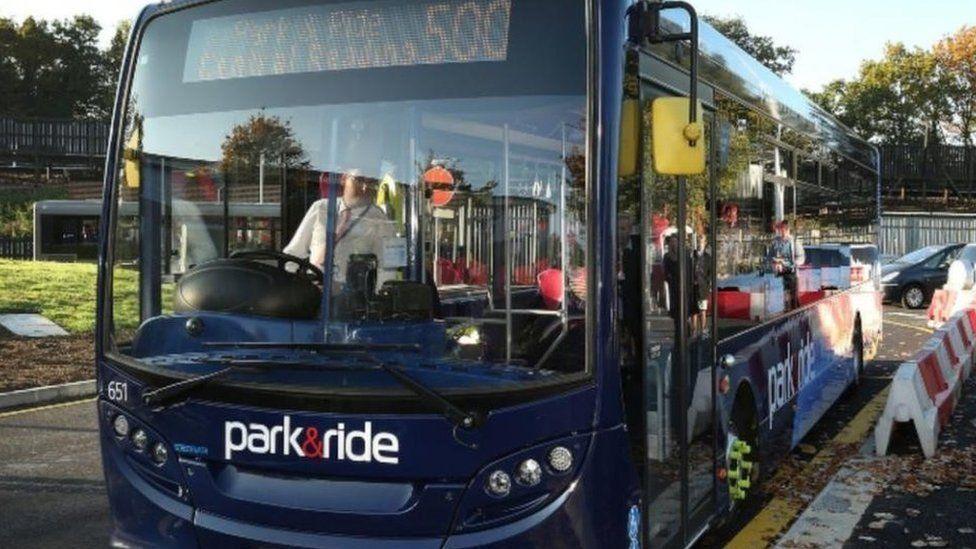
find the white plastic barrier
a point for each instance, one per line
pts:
(946, 302)
(925, 390)
(908, 401)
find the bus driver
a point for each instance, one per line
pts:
(361, 228)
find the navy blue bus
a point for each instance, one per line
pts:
(488, 300)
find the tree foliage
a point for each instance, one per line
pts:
(56, 69)
(779, 59)
(261, 135)
(956, 59)
(897, 99)
(911, 95)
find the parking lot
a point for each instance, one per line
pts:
(830, 491)
(51, 488)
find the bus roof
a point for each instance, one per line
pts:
(732, 71)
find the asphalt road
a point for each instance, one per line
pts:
(52, 493)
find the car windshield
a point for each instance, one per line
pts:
(968, 253)
(918, 255)
(417, 180)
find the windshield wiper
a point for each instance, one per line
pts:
(158, 397)
(452, 412)
(161, 395)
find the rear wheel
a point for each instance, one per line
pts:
(742, 452)
(913, 297)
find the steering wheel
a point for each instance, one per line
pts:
(305, 267)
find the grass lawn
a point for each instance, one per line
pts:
(64, 293)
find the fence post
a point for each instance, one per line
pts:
(966, 168)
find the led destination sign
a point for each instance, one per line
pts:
(347, 36)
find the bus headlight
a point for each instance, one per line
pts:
(160, 453)
(499, 483)
(140, 439)
(529, 473)
(521, 483)
(560, 459)
(120, 425)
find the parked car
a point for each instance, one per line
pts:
(912, 278)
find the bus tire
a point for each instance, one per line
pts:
(742, 450)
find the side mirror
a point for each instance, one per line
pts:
(679, 146)
(629, 138)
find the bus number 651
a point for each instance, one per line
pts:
(118, 391)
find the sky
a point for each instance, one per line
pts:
(832, 36)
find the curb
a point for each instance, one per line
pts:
(47, 395)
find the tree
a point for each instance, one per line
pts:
(112, 64)
(116, 48)
(8, 68)
(898, 99)
(56, 69)
(956, 60)
(31, 54)
(779, 59)
(76, 84)
(261, 135)
(831, 98)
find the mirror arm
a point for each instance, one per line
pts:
(644, 23)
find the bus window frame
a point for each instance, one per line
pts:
(106, 348)
(665, 79)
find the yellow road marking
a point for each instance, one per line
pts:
(773, 519)
(47, 407)
(912, 326)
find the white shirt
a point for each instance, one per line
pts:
(368, 228)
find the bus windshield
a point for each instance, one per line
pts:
(396, 173)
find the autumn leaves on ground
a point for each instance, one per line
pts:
(64, 293)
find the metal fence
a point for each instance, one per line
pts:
(17, 248)
(53, 137)
(902, 232)
(930, 170)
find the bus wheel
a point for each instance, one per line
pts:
(742, 453)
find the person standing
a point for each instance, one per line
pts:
(781, 260)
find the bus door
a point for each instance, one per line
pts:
(678, 378)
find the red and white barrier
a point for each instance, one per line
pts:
(925, 389)
(947, 302)
(940, 308)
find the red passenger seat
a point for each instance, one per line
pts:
(551, 288)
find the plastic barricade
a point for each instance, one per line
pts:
(925, 390)
(942, 306)
(734, 304)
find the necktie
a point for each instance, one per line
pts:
(343, 226)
